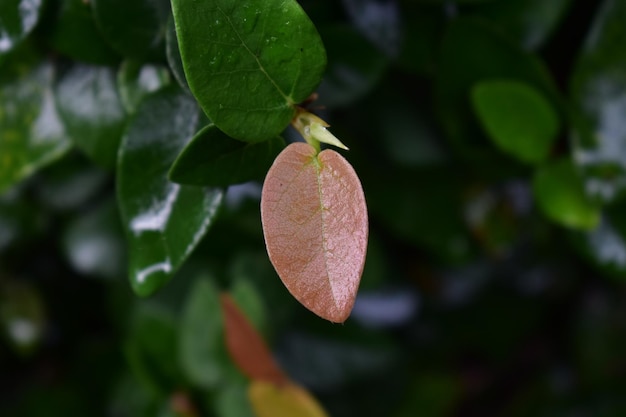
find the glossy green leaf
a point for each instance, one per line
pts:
(134, 28)
(92, 111)
(598, 87)
(31, 132)
(248, 63)
(354, 67)
(201, 343)
(18, 18)
(560, 194)
(136, 80)
(483, 54)
(164, 221)
(529, 22)
(517, 118)
(94, 242)
(214, 159)
(172, 52)
(75, 34)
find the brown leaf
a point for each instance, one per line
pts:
(247, 348)
(315, 226)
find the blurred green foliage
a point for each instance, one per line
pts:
(490, 138)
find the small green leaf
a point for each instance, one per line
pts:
(201, 343)
(17, 20)
(212, 158)
(134, 28)
(75, 34)
(560, 194)
(164, 221)
(517, 118)
(92, 111)
(248, 63)
(135, 81)
(483, 54)
(32, 134)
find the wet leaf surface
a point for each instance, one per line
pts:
(211, 158)
(164, 221)
(315, 227)
(249, 62)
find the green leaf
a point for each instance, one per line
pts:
(560, 194)
(249, 62)
(354, 68)
(31, 132)
(201, 343)
(598, 86)
(75, 34)
(212, 158)
(483, 54)
(92, 111)
(136, 80)
(517, 118)
(134, 28)
(18, 18)
(164, 221)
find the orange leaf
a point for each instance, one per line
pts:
(287, 401)
(247, 348)
(315, 226)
